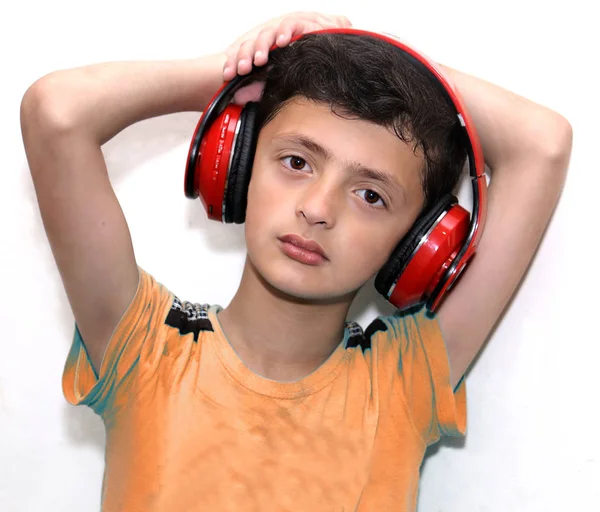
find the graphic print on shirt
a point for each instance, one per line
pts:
(189, 318)
(356, 337)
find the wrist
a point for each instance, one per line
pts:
(190, 84)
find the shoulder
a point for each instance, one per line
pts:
(410, 331)
(410, 323)
(156, 304)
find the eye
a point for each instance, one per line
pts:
(372, 198)
(295, 163)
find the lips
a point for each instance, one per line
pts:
(305, 244)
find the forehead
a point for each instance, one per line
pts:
(346, 139)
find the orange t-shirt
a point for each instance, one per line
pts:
(190, 428)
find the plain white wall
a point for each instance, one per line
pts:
(532, 443)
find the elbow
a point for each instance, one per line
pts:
(44, 109)
(45, 122)
(554, 155)
(558, 144)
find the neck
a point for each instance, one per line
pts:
(278, 336)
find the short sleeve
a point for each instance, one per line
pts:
(416, 344)
(139, 327)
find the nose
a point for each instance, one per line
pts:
(318, 203)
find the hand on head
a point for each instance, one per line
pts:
(254, 46)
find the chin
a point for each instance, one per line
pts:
(302, 282)
(295, 279)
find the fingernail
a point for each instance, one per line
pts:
(280, 38)
(258, 55)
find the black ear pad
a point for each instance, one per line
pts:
(401, 255)
(236, 193)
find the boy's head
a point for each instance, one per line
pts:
(355, 142)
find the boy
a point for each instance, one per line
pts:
(275, 402)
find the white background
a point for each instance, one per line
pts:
(532, 443)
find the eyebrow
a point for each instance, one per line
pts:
(355, 167)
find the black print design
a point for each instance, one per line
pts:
(189, 318)
(356, 337)
(375, 326)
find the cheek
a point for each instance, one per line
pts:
(368, 249)
(268, 192)
(266, 202)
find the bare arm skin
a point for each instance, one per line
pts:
(527, 148)
(66, 116)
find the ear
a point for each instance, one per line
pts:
(251, 92)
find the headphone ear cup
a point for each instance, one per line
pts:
(401, 256)
(236, 192)
(209, 158)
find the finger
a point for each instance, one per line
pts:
(263, 44)
(284, 30)
(229, 69)
(292, 27)
(245, 57)
(344, 22)
(230, 65)
(330, 21)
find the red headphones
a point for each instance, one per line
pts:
(427, 261)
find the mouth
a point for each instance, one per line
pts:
(303, 250)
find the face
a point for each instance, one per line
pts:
(350, 186)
